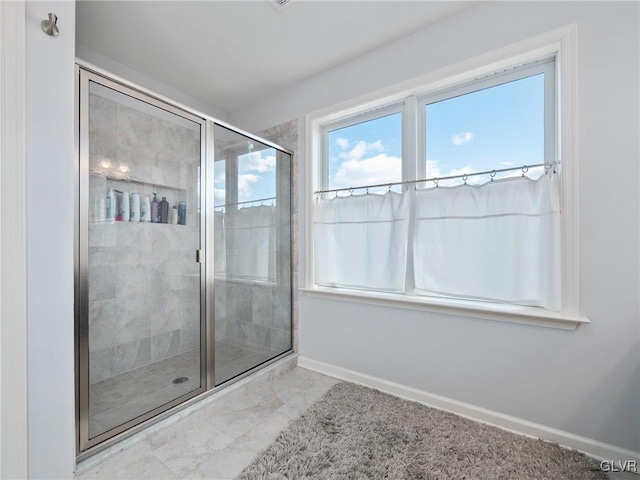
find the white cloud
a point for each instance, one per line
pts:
(506, 164)
(361, 149)
(255, 162)
(343, 143)
(434, 171)
(244, 184)
(219, 196)
(369, 171)
(461, 138)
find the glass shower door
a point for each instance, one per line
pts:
(252, 253)
(141, 316)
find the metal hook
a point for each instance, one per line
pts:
(389, 191)
(367, 190)
(525, 169)
(50, 26)
(493, 174)
(351, 191)
(436, 181)
(465, 177)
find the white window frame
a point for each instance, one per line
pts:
(361, 117)
(559, 44)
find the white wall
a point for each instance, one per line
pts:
(132, 75)
(50, 213)
(586, 382)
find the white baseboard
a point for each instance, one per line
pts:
(593, 448)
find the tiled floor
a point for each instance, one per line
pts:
(234, 358)
(219, 440)
(126, 396)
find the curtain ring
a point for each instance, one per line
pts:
(525, 169)
(367, 190)
(351, 191)
(436, 181)
(389, 191)
(493, 174)
(465, 177)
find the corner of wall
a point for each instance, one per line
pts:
(114, 67)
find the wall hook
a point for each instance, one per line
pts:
(49, 26)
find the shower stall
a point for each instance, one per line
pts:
(183, 257)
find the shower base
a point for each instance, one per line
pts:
(126, 396)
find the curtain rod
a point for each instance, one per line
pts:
(436, 180)
(246, 201)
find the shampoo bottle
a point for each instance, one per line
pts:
(145, 209)
(182, 213)
(135, 207)
(154, 209)
(111, 206)
(124, 212)
(173, 219)
(163, 207)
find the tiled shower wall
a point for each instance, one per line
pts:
(257, 312)
(286, 135)
(144, 282)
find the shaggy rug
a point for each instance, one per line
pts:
(354, 432)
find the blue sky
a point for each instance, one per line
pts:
(495, 128)
(256, 177)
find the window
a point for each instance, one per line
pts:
(451, 198)
(367, 152)
(492, 124)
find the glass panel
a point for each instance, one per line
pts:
(367, 153)
(490, 129)
(252, 253)
(143, 279)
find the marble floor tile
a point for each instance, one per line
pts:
(226, 464)
(218, 440)
(185, 453)
(263, 433)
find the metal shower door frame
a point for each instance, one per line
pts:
(81, 253)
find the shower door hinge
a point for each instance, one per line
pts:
(199, 256)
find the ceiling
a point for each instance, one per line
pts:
(232, 53)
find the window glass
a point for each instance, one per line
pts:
(367, 153)
(490, 129)
(256, 176)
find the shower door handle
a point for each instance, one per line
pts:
(199, 256)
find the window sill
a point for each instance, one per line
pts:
(464, 308)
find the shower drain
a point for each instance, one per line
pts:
(181, 380)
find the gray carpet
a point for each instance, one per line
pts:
(355, 432)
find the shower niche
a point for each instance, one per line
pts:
(183, 257)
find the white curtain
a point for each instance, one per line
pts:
(498, 242)
(360, 241)
(253, 247)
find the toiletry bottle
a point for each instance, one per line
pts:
(124, 212)
(173, 219)
(145, 209)
(135, 207)
(163, 207)
(155, 210)
(111, 206)
(182, 213)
